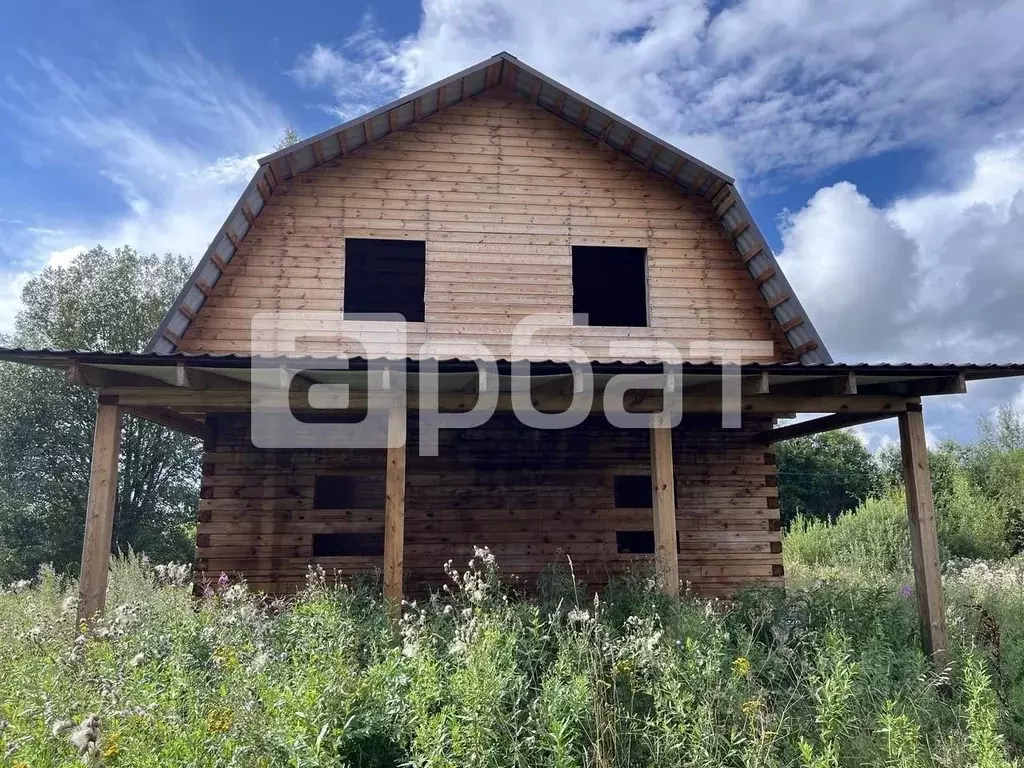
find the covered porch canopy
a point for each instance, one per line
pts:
(179, 389)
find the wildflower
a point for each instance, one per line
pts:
(750, 707)
(111, 749)
(84, 738)
(741, 667)
(906, 590)
(60, 726)
(222, 580)
(219, 721)
(578, 616)
(69, 604)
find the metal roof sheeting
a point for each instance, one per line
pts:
(688, 172)
(59, 358)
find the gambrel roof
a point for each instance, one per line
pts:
(689, 173)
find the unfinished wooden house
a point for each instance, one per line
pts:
(494, 195)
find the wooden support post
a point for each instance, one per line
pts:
(394, 510)
(99, 509)
(924, 540)
(663, 486)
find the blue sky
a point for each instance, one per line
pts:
(880, 144)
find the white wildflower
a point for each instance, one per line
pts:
(84, 738)
(60, 726)
(578, 616)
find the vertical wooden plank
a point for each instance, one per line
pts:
(666, 553)
(99, 509)
(394, 510)
(924, 539)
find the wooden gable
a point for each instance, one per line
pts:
(500, 190)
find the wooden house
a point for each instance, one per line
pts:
(494, 195)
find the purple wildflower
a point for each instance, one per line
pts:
(222, 582)
(906, 590)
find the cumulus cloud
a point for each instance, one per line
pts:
(930, 277)
(175, 140)
(933, 277)
(754, 86)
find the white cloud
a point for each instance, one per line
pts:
(65, 256)
(932, 277)
(176, 139)
(761, 85)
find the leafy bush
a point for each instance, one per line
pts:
(875, 536)
(825, 675)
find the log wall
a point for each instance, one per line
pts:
(534, 497)
(500, 190)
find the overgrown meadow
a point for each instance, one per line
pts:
(828, 674)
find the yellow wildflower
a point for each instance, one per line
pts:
(741, 667)
(225, 658)
(111, 748)
(219, 721)
(750, 707)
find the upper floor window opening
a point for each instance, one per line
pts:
(385, 277)
(609, 285)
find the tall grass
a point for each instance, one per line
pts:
(828, 675)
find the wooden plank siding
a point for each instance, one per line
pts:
(533, 496)
(500, 190)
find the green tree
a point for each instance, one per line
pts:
(110, 300)
(289, 137)
(824, 475)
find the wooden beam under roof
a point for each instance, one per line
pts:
(822, 424)
(318, 152)
(535, 90)
(509, 73)
(263, 188)
(165, 417)
(739, 229)
(627, 145)
(638, 401)
(581, 118)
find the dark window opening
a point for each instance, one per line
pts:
(385, 277)
(635, 542)
(348, 492)
(609, 285)
(348, 544)
(634, 491)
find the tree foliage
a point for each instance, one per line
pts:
(289, 137)
(824, 475)
(110, 300)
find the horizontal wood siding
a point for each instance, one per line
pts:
(500, 190)
(534, 497)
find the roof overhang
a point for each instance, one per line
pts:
(690, 174)
(148, 370)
